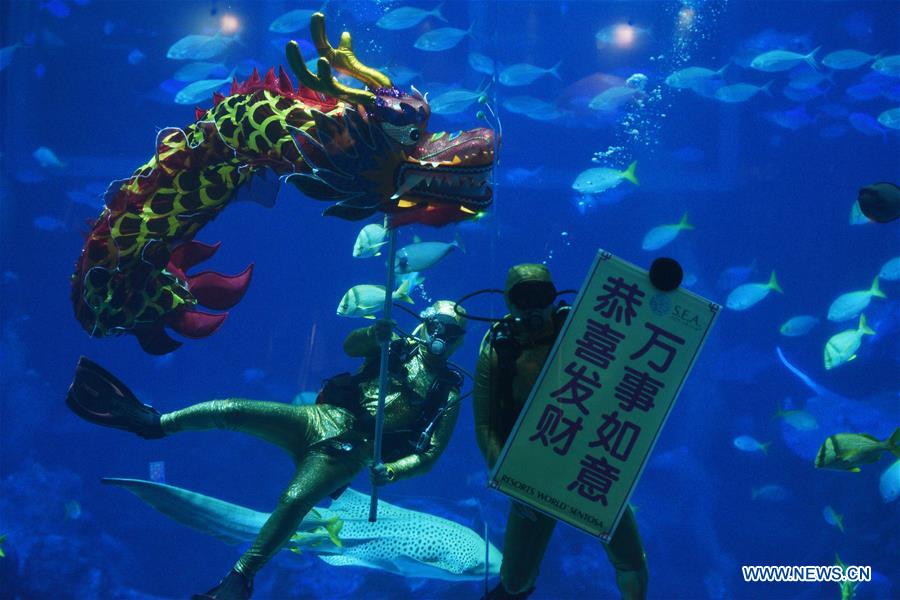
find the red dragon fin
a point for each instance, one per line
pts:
(270, 78)
(217, 291)
(195, 324)
(192, 253)
(284, 81)
(155, 340)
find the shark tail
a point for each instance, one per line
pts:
(231, 523)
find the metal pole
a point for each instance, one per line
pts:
(383, 375)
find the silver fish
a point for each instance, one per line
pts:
(524, 74)
(782, 60)
(294, 20)
(454, 101)
(366, 300)
(421, 255)
(199, 70)
(200, 91)
(599, 179)
(406, 17)
(740, 92)
(369, 241)
(200, 47)
(847, 59)
(690, 77)
(481, 63)
(441, 39)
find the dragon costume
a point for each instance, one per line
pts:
(362, 150)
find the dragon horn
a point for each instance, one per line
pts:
(324, 82)
(343, 59)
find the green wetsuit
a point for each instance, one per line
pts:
(528, 532)
(328, 444)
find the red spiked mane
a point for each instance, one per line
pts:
(280, 85)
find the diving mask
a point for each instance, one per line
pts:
(442, 332)
(532, 295)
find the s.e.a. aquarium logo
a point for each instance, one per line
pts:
(687, 317)
(661, 304)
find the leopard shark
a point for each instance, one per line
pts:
(402, 541)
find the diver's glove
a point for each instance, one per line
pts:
(235, 586)
(381, 474)
(382, 329)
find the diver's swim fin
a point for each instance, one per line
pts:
(96, 395)
(234, 586)
(500, 593)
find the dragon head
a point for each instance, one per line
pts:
(373, 151)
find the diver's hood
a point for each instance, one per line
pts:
(526, 272)
(446, 311)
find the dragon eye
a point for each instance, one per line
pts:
(407, 135)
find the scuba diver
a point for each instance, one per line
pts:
(511, 357)
(330, 441)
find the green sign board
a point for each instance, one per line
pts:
(585, 434)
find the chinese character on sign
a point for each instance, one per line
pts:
(598, 344)
(595, 479)
(654, 341)
(547, 425)
(637, 390)
(579, 388)
(625, 433)
(619, 292)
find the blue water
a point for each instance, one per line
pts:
(760, 194)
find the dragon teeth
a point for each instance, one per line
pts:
(409, 183)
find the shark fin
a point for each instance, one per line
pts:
(345, 560)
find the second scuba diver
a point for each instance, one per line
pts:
(512, 355)
(330, 441)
